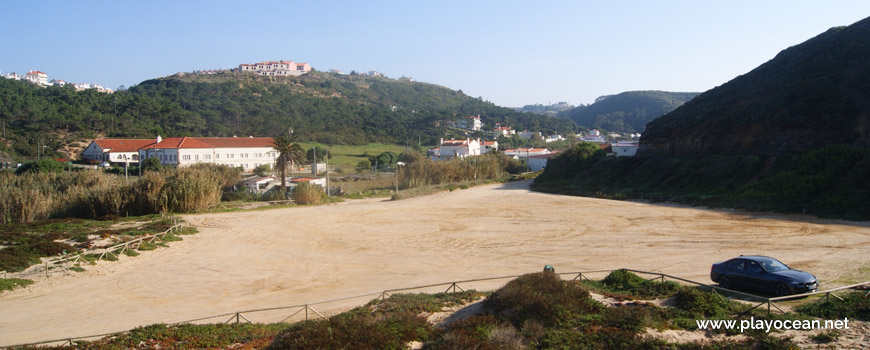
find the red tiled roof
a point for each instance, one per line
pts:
(551, 155)
(489, 143)
(123, 145)
(236, 142)
(303, 179)
(179, 142)
(454, 142)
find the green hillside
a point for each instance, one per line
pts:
(320, 107)
(627, 112)
(810, 95)
(790, 136)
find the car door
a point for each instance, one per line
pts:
(755, 277)
(737, 273)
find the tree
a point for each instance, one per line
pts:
(289, 153)
(151, 164)
(41, 166)
(262, 170)
(322, 153)
(363, 166)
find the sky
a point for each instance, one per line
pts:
(511, 53)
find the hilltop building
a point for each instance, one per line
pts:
(276, 68)
(505, 131)
(470, 123)
(453, 149)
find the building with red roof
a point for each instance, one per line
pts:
(243, 152)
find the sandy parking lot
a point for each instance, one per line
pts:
(249, 260)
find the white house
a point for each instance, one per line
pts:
(258, 184)
(37, 77)
(116, 151)
(539, 161)
(452, 149)
(312, 180)
(505, 131)
(243, 152)
(276, 68)
(594, 136)
(553, 138)
(526, 152)
(488, 146)
(471, 123)
(625, 149)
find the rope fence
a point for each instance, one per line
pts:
(306, 311)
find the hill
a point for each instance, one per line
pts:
(810, 95)
(321, 107)
(550, 110)
(789, 136)
(627, 112)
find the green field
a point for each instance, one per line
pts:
(346, 157)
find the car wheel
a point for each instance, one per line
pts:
(781, 290)
(724, 282)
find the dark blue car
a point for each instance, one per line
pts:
(764, 274)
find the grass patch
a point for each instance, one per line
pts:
(854, 306)
(622, 284)
(188, 336)
(130, 252)
(12, 283)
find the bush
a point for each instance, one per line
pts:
(12, 283)
(543, 297)
(701, 304)
(356, 331)
(625, 283)
(854, 306)
(306, 193)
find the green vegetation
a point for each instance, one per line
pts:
(26, 243)
(89, 194)
(12, 283)
(327, 108)
(306, 193)
(854, 305)
(622, 284)
(534, 311)
(809, 96)
(828, 182)
(627, 112)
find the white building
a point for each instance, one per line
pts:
(553, 138)
(625, 149)
(505, 131)
(37, 77)
(471, 123)
(488, 146)
(525, 152)
(118, 151)
(539, 161)
(276, 68)
(246, 153)
(594, 136)
(258, 184)
(452, 149)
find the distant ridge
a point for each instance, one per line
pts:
(627, 112)
(810, 95)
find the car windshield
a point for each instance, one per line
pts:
(773, 265)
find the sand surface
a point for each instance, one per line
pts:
(249, 260)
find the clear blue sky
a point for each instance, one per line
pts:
(509, 52)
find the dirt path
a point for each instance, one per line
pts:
(249, 260)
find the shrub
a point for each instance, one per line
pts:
(543, 297)
(854, 306)
(356, 331)
(701, 304)
(306, 193)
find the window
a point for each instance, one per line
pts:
(185, 157)
(196, 157)
(217, 156)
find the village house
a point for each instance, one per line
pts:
(276, 68)
(553, 138)
(453, 149)
(471, 123)
(488, 146)
(525, 152)
(243, 152)
(625, 149)
(539, 161)
(594, 136)
(116, 151)
(505, 131)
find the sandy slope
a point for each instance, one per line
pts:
(251, 260)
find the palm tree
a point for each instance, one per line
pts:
(289, 151)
